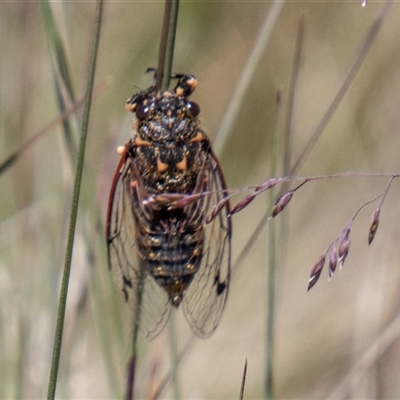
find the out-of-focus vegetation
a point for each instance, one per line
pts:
(320, 335)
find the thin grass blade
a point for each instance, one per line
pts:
(75, 201)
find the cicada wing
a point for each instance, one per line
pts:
(149, 302)
(205, 298)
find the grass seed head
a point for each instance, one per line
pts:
(344, 246)
(374, 225)
(217, 208)
(243, 203)
(266, 185)
(316, 272)
(333, 259)
(281, 203)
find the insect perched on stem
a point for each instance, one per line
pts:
(164, 249)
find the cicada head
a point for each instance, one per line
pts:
(168, 117)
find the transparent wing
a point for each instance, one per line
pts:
(205, 298)
(148, 300)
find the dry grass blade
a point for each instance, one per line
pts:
(61, 72)
(11, 159)
(243, 380)
(130, 378)
(57, 46)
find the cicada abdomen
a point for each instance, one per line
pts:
(164, 251)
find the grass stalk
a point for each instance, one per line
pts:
(167, 44)
(164, 68)
(163, 44)
(272, 262)
(75, 202)
(272, 231)
(131, 367)
(57, 47)
(61, 74)
(169, 55)
(243, 381)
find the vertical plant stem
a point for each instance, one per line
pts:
(74, 208)
(167, 44)
(130, 373)
(165, 84)
(164, 67)
(163, 44)
(243, 381)
(271, 271)
(169, 56)
(131, 367)
(270, 317)
(272, 254)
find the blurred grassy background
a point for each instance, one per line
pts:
(320, 335)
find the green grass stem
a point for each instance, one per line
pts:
(272, 263)
(169, 54)
(74, 208)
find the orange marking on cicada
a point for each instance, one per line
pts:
(130, 107)
(139, 142)
(161, 167)
(182, 165)
(133, 186)
(198, 138)
(192, 83)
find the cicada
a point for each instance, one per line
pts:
(163, 248)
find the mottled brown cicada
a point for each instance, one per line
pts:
(163, 247)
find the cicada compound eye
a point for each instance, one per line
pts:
(143, 112)
(193, 108)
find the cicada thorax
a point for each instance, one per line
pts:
(171, 167)
(168, 154)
